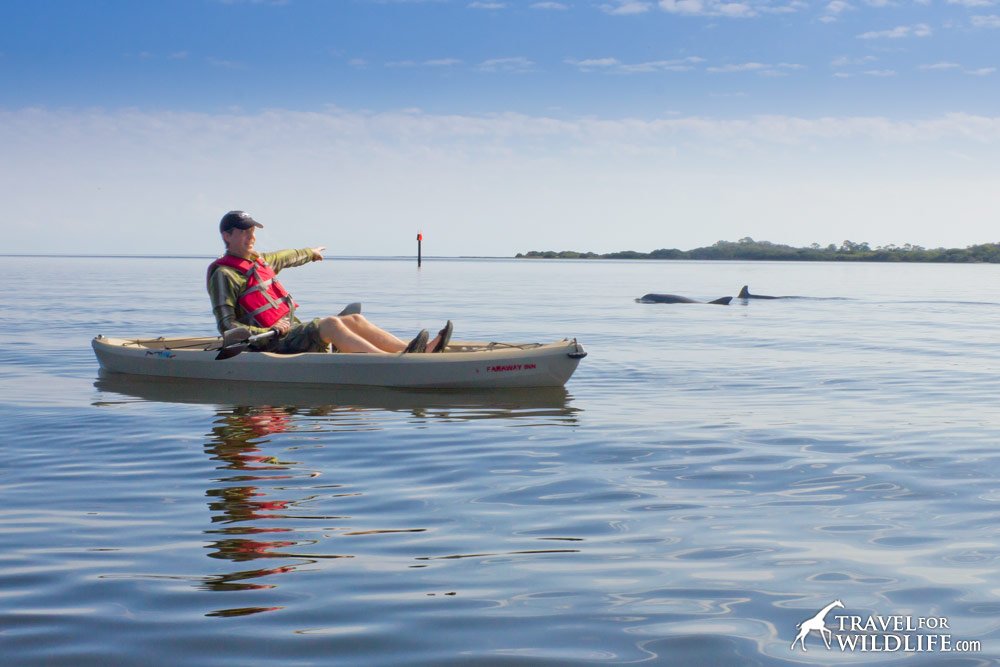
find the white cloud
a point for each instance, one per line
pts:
(880, 72)
(918, 30)
(982, 71)
(766, 70)
(439, 62)
(622, 7)
(676, 65)
(744, 9)
(595, 62)
(991, 21)
(298, 129)
(613, 64)
(834, 9)
(745, 67)
(845, 61)
(487, 5)
(683, 6)
(973, 3)
(735, 9)
(792, 6)
(940, 65)
(516, 64)
(549, 5)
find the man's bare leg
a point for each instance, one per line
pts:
(334, 330)
(380, 338)
(354, 333)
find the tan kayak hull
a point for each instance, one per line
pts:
(464, 364)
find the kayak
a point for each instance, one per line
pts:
(478, 365)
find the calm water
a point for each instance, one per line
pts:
(711, 476)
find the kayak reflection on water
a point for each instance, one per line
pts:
(552, 404)
(267, 502)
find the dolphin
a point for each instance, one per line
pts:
(673, 298)
(745, 294)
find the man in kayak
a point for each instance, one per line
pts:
(245, 293)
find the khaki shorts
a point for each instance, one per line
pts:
(302, 337)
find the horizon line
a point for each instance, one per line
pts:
(137, 256)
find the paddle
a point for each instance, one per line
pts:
(236, 341)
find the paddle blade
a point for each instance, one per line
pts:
(231, 351)
(235, 336)
(234, 341)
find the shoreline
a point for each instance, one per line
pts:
(747, 249)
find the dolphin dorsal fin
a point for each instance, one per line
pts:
(744, 293)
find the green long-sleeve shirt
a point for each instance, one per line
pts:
(225, 284)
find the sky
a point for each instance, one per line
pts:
(494, 127)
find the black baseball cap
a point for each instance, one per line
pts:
(237, 220)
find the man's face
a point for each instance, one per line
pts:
(241, 241)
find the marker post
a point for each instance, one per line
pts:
(420, 239)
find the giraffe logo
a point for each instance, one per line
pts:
(816, 622)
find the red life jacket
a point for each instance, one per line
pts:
(263, 298)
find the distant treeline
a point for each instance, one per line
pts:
(748, 249)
